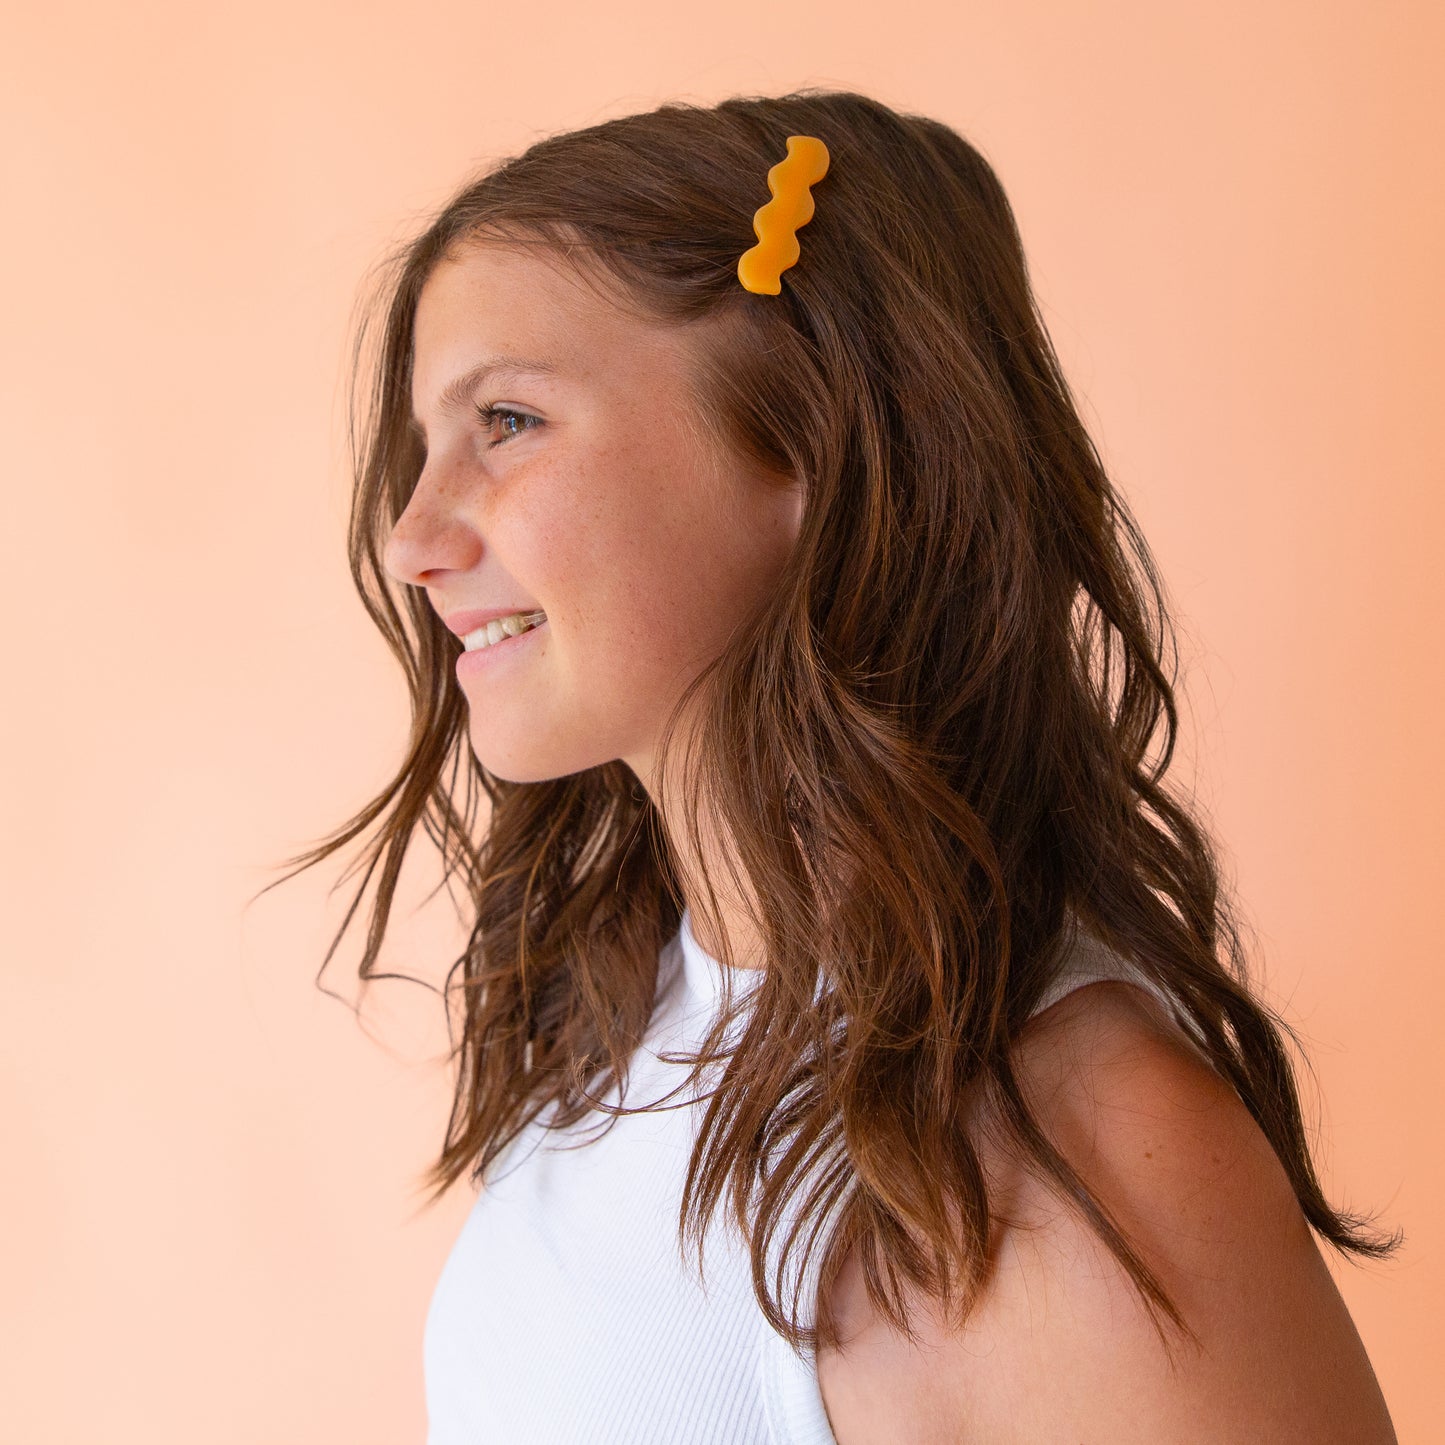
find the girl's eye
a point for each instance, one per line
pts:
(489, 415)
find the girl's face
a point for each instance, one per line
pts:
(593, 497)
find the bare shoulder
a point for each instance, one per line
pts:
(1062, 1346)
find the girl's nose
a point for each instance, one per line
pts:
(429, 536)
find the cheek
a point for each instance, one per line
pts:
(647, 563)
(621, 541)
(646, 599)
(641, 612)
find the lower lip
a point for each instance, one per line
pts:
(483, 659)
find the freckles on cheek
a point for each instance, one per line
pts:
(554, 559)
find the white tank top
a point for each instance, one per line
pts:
(566, 1314)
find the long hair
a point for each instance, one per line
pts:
(928, 750)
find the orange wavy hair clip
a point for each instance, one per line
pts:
(761, 267)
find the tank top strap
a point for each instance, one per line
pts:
(1091, 960)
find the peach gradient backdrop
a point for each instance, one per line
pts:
(1234, 219)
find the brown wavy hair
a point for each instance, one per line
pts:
(929, 748)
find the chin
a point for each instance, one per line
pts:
(514, 769)
(526, 764)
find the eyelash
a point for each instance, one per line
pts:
(487, 415)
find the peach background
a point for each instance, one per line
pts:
(1234, 219)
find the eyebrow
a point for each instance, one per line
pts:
(457, 393)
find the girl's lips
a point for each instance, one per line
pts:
(482, 659)
(464, 622)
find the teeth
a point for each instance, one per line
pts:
(502, 627)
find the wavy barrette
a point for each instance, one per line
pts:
(761, 267)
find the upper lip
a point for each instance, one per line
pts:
(464, 622)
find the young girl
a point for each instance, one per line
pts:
(856, 1043)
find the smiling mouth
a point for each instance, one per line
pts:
(502, 629)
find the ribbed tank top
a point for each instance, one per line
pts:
(566, 1314)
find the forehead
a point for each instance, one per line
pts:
(505, 302)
